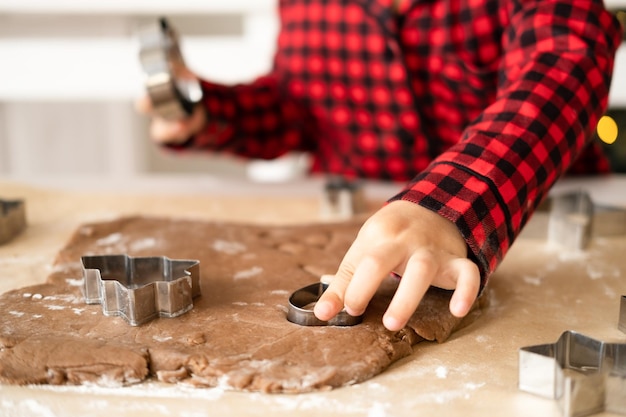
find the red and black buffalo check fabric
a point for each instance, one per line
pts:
(480, 105)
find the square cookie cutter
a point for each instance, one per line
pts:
(586, 376)
(573, 220)
(140, 289)
(12, 219)
(342, 198)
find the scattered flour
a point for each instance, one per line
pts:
(111, 239)
(161, 338)
(143, 244)
(66, 298)
(441, 372)
(29, 407)
(378, 410)
(74, 282)
(532, 280)
(145, 389)
(228, 247)
(445, 397)
(248, 273)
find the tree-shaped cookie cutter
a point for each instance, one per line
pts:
(140, 289)
(586, 376)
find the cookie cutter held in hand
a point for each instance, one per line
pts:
(172, 90)
(585, 375)
(301, 311)
(141, 288)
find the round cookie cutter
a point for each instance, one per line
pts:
(172, 89)
(301, 308)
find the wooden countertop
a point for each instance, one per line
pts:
(536, 294)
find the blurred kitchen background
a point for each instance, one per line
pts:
(69, 74)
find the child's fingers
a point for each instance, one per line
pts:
(143, 105)
(168, 131)
(368, 275)
(416, 280)
(467, 287)
(331, 302)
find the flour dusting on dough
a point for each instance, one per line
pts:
(68, 298)
(74, 282)
(109, 240)
(532, 280)
(248, 273)
(143, 244)
(161, 338)
(228, 247)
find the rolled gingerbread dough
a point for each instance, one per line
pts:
(236, 336)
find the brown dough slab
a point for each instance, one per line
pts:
(236, 336)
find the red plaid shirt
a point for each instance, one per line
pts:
(481, 104)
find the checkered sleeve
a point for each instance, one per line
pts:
(553, 87)
(254, 120)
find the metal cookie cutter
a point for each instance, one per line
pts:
(571, 219)
(301, 310)
(12, 219)
(172, 90)
(342, 198)
(574, 219)
(585, 375)
(140, 289)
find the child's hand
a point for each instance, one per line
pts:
(173, 132)
(414, 242)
